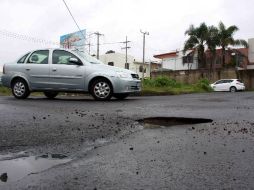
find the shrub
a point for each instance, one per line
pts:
(164, 81)
(204, 84)
(161, 81)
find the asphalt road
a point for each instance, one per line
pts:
(109, 149)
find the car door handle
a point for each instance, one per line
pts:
(54, 69)
(27, 69)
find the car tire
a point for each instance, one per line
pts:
(50, 95)
(20, 89)
(232, 89)
(101, 89)
(121, 96)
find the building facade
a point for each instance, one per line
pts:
(178, 60)
(119, 60)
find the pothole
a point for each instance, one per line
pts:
(13, 168)
(160, 122)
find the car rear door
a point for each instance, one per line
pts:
(36, 69)
(66, 75)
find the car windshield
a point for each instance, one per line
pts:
(88, 57)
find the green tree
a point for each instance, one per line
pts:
(212, 42)
(225, 35)
(201, 38)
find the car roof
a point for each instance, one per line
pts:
(228, 79)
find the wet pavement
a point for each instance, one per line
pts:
(20, 165)
(111, 145)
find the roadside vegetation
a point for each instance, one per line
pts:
(4, 91)
(165, 86)
(160, 86)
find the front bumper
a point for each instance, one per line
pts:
(122, 85)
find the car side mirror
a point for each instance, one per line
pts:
(75, 61)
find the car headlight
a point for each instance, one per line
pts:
(123, 74)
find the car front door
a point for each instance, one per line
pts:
(219, 85)
(227, 85)
(65, 73)
(37, 69)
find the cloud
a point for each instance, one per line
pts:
(165, 20)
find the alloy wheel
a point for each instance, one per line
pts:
(102, 90)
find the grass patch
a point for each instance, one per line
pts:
(167, 86)
(4, 91)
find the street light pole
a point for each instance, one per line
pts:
(144, 39)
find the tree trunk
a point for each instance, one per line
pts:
(223, 57)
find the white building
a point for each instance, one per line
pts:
(118, 59)
(177, 60)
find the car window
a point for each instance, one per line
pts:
(63, 57)
(39, 57)
(219, 82)
(239, 81)
(23, 58)
(88, 57)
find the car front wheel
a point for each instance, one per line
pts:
(50, 95)
(20, 89)
(101, 89)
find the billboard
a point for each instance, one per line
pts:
(75, 40)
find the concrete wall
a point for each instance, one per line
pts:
(251, 50)
(191, 77)
(248, 77)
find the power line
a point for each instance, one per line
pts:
(74, 19)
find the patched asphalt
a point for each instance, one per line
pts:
(111, 150)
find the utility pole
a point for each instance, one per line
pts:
(89, 47)
(126, 52)
(144, 40)
(98, 43)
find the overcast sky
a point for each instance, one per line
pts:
(165, 20)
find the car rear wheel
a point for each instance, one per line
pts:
(20, 89)
(101, 89)
(50, 95)
(232, 89)
(121, 96)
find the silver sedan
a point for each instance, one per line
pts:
(58, 70)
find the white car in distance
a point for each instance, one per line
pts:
(231, 85)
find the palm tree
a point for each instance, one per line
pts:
(226, 39)
(212, 41)
(201, 38)
(197, 40)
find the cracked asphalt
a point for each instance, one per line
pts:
(109, 149)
